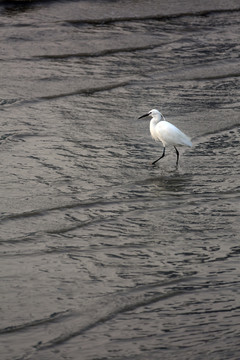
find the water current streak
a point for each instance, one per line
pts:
(158, 17)
(125, 308)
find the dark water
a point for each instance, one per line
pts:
(102, 255)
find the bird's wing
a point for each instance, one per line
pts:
(171, 135)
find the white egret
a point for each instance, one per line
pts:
(167, 133)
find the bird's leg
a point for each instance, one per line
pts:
(177, 152)
(163, 154)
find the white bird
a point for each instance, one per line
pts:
(167, 133)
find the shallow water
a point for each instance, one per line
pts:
(102, 255)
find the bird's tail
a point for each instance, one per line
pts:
(188, 141)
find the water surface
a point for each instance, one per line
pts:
(102, 255)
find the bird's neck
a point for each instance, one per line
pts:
(153, 124)
(155, 120)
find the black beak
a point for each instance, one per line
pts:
(143, 116)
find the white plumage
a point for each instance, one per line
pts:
(167, 133)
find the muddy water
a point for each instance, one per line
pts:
(102, 255)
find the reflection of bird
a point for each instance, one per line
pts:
(168, 134)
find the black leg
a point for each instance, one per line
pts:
(163, 154)
(177, 155)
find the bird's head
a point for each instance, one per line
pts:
(154, 114)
